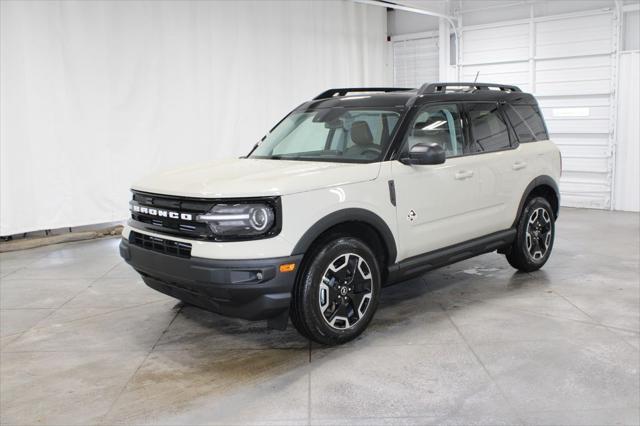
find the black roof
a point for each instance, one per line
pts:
(435, 92)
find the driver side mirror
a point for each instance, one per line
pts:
(424, 154)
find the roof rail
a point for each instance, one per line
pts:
(429, 88)
(343, 91)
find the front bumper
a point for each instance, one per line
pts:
(252, 289)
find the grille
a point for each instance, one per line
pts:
(178, 226)
(169, 215)
(173, 248)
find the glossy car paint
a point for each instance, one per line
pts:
(466, 197)
(249, 177)
(447, 210)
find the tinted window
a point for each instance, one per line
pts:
(440, 124)
(490, 132)
(527, 122)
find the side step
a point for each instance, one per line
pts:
(417, 265)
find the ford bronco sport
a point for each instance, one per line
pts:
(346, 194)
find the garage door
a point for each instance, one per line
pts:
(568, 63)
(415, 61)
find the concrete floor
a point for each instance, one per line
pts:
(84, 341)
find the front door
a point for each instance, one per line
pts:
(438, 205)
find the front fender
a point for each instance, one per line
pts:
(348, 215)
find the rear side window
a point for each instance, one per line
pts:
(527, 122)
(488, 127)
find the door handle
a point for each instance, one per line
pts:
(519, 165)
(463, 174)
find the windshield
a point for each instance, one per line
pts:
(333, 134)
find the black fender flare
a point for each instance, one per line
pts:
(348, 215)
(539, 181)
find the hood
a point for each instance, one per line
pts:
(248, 177)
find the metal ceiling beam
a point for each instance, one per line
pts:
(397, 6)
(451, 19)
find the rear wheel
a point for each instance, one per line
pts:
(535, 235)
(337, 292)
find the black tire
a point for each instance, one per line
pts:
(532, 247)
(313, 306)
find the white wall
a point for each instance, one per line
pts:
(627, 177)
(95, 94)
(565, 52)
(568, 62)
(479, 12)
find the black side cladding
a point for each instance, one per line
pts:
(422, 263)
(540, 181)
(348, 215)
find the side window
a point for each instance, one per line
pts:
(490, 132)
(392, 120)
(527, 122)
(440, 124)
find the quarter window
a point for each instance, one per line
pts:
(439, 124)
(527, 122)
(490, 132)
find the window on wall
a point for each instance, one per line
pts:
(631, 31)
(527, 122)
(453, 50)
(439, 124)
(415, 61)
(490, 132)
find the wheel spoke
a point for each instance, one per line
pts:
(547, 240)
(352, 264)
(359, 284)
(356, 300)
(338, 311)
(359, 303)
(338, 275)
(341, 314)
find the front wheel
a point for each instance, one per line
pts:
(337, 292)
(535, 235)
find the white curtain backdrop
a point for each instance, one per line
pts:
(95, 94)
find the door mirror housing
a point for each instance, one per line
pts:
(424, 154)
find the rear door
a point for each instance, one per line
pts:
(498, 167)
(531, 159)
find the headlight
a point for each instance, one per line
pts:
(239, 220)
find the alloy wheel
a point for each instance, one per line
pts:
(345, 291)
(539, 230)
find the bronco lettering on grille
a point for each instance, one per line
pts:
(161, 213)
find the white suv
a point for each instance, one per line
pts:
(345, 195)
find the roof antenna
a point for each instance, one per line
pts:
(475, 80)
